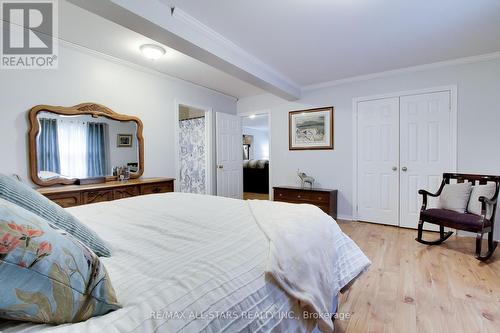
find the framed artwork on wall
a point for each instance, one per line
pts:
(311, 129)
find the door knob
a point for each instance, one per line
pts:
(404, 169)
(220, 166)
(394, 168)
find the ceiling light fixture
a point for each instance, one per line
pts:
(152, 51)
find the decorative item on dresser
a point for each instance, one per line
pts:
(76, 195)
(305, 179)
(325, 199)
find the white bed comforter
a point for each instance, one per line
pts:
(304, 243)
(191, 263)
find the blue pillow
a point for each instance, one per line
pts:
(22, 195)
(46, 275)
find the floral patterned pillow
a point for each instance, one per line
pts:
(46, 275)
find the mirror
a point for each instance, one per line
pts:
(81, 142)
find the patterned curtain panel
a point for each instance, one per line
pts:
(48, 146)
(97, 165)
(192, 155)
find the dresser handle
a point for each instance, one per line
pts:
(280, 194)
(156, 190)
(298, 196)
(319, 198)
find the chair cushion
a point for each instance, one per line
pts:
(452, 219)
(487, 191)
(22, 195)
(455, 197)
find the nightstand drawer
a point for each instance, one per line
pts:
(326, 200)
(302, 195)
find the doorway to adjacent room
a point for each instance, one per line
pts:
(256, 156)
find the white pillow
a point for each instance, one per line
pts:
(455, 197)
(487, 191)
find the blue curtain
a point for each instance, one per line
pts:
(96, 150)
(48, 146)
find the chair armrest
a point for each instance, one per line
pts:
(491, 201)
(425, 193)
(485, 201)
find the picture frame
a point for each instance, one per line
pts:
(124, 140)
(311, 129)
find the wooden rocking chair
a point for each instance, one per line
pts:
(479, 224)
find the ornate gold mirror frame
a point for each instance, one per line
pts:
(92, 109)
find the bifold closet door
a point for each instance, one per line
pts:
(378, 161)
(425, 149)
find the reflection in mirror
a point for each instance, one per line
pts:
(83, 146)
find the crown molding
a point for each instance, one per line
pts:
(235, 54)
(419, 68)
(176, 29)
(181, 15)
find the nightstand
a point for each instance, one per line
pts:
(325, 199)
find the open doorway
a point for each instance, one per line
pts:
(255, 150)
(193, 150)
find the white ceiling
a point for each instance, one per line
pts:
(96, 33)
(315, 41)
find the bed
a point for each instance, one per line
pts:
(256, 176)
(192, 263)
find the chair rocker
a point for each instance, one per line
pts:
(480, 224)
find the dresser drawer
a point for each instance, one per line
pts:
(126, 192)
(75, 195)
(157, 188)
(302, 196)
(66, 200)
(324, 199)
(97, 196)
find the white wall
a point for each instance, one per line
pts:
(84, 77)
(260, 145)
(478, 123)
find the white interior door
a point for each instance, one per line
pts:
(229, 156)
(378, 161)
(425, 149)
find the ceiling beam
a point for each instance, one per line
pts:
(178, 30)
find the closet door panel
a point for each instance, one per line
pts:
(425, 149)
(378, 156)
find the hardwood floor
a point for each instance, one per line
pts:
(412, 287)
(259, 196)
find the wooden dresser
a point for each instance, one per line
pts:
(76, 195)
(323, 198)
